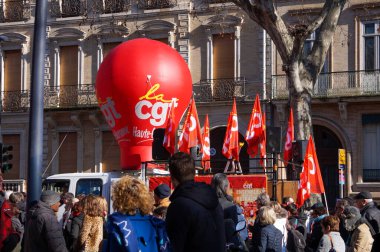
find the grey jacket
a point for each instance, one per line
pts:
(43, 233)
(336, 239)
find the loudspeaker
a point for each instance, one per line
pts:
(299, 151)
(158, 150)
(273, 139)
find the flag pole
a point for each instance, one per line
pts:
(327, 207)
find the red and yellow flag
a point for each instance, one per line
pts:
(191, 133)
(263, 142)
(310, 177)
(206, 145)
(169, 138)
(255, 132)
(231, 139)
(289, 139)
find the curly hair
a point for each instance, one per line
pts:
(130, 195)
(93, 206)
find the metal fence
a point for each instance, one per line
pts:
(334, 84)
(220, 89)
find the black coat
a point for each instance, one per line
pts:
(194, 220)
(372, 214)
(314, 238)
(43, 234)
(266, 238)
(72, 231)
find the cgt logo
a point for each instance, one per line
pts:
(155, 112)
(247, 185)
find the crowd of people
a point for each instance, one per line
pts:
(194, 217)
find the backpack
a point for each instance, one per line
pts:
(138, 233)
(296, 241)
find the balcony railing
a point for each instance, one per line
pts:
(219, 89)
(334, 84)
(14, 11)
(54, 97)
(110, 6)
(156, 4)
(67, 8)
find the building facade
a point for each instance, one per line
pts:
(228, 56)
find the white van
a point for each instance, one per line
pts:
(93, 183)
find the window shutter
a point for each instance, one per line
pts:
(68, 152)
(223, 56)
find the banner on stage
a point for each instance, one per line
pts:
(245, 189)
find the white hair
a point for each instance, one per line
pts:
(368, 200)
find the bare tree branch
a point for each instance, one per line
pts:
(329, 17)
(264, 13)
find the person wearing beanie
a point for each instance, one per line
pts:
(43, 231)
(360, 236)
(161, 196)
(369, 210)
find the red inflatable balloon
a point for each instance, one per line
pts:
(135, 86)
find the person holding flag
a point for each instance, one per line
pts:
(191, 133)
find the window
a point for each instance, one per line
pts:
(59, 186)
(12, 80)
(110, 152)
(89, 186)
(223, 56)
(309, 45)
(323, 83)
(371, 147)
(371, 32)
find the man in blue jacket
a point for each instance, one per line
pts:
(194, 220)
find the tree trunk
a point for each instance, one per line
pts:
(300, 91)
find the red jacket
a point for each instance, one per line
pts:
(5, 221)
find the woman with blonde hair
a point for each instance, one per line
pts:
(92, 230)
(132, 227)
(265, 236)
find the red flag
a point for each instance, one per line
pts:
(206, 145)
(263, 143)
(169, 138)
(310, 177)
(289, 139)
(191, 133)
(255, 129)
(231, 139)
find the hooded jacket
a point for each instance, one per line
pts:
(194, 220)
(43, 234)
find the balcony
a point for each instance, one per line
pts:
(67, 8)
(65, 97)
(334, 84)
(14, 11)
(110, 6)
(156, 4)
(219, 89)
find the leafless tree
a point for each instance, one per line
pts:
(301, 69)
